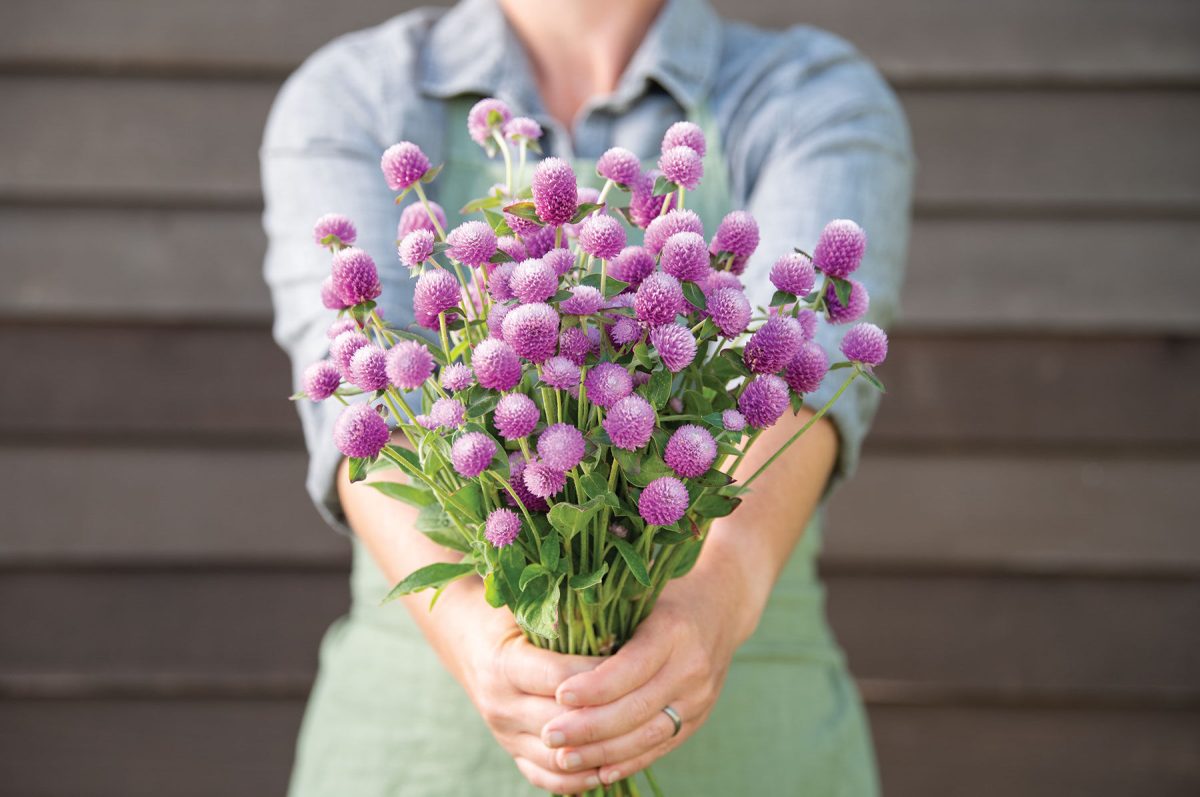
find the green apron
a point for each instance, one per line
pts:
(386, 719)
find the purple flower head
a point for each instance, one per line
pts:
(808, 323)
(409, 364)
(675, 345)
(560, 373)
(513, 247)
(533, 281)
(485, 116)
(355, 278)
(329, 295)
(658, 299)
(721, 279)
(424, 421)
(532, 331)
(730, 311)
(586, 195)
(619, 165)
(472, 453)
(561, 446)
(584, 300)
(403, 164)
(360, 432)
(601, 236)
(496, 365)
(685, 256)
(625, 331)
(456, 377)
(436, 291)
(575, 345)
(840, 248)
(321, 379)
(502, 528)
(632, 264)
(682, 166)
(368, 368)
(542, 480)
(340, 326)
(664, 227)
(806, 370)
(773, 345)
(336, 225)
(630, 422)
(515, 416)
(733, 420)
(644, 206)
(342, 350)
(522, 128)
(640, 377)
(764, 401)
(559, 260)
(555, 191)
(516, 470)
(522, 227)
(607, 384)
(663, 502)
(684, 134)
(793, 273)
(737, 234)
(866, 344)
(414, 217)
(448, 413)
(495, 319)
(415, 248)
(855, 309)
(500, 282)
(472, 243)
(691, 451)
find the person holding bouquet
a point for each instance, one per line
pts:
(732, 683)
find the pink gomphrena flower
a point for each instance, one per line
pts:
(685, 256)
(644, 206)
(414, 217)
(340, 326)
(513, 247)
(516, 470)
(368, 368)
(733, 420)
(471, 454)
(691, 451)
(658, 299)
(403, 165)
(409, 364)
(532, 331)
(329, 295)
(515, 416)
(542, 480)
(472, 243)
(342, 350)
(436, 291)
(806, 370)
(415, 248)
(355, 278)
(667, 225)
(560, 261)
(586, 195)
(448, 413)
(584, 300)
(541, 241)
(632, 265)
(360, 432)
(730, 311)
(533, 281)
(456, 377)
(808, 322)
(555, 191)
(793, 273)
(502, 528)
(855, 309)
(321, 380)
(722, 279)
(619, 165)
(521, 227)
(497, 366)
(486, 116)
(495, 319)
(682, 166)
(424, 421)
(618, 530)
(773, 345)
(561, 373)
(675, 344)
(630, 422)
(675, 404)
(664, 501)
(640, 377)
(575, 345)
(840, 248)
(737, 234)
(335, 227)
(601, 236)
(764, 401)
(866, 344)
(500, 282)
(685, 134)
(522, 128)
(625, 331)
(607, 383)
(561, 446)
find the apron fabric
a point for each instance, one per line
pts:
(385, 719)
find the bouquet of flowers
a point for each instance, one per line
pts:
(579, 403)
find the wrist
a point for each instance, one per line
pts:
(718, 591)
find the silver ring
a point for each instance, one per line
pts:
(675, 718)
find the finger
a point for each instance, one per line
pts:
(627, 769)
(529, 714)
(623, 672)
(539, 672)
(556, 782)
(620, 749)
(599, 723)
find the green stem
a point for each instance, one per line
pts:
(437, 225)
(508, 169)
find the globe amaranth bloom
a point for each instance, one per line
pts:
(533, 281)
(499, 281)
(808, 322)
(584, 300)
(456, 377)
(730, 311)
(555, 191)
(513, 247)
(625, 331)
(630, 422)
(840, 248)
(601, 236)
(502, 528)
(793, 273)
(403, 164)
(516, 470)
(560, 260)
(515, 416)
(360, 432)
(436, 291)
(543, 480)
(619, 165)
(853, 310)
(691, 451)
(448, 413)
(658, 299)
(773, 345)
(497, 366)
(607, 383)
(663, 502)
(764, 400)
(321, 380)
(866, 344)
(472, 243)
(495, 319)
(575, 345)
(472, 453)
(415, 248)
(414, 217)
(682, 166)
(329, 295)
(336, 225)
(343, 347)
(685, 256)
(685, 134)
(532, 331)
(737, 234)
(522, 128)
(342, 325)
(675, 344)
(632, 265)
(560, 373)
(806, 370)
(368, 368)
(715, 280)
(485, 116)
(644, 206)
(355, 278)
(409, 364)
(561, 446)
(733, 420)
(667, 225)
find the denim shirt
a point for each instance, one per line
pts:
(811, 132)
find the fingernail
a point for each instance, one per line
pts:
(555, 738)
(592, 781)
(572, 760)
(569, 699)
(610, 777)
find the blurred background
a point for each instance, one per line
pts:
(1014, 573)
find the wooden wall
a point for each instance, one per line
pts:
(1014, 573)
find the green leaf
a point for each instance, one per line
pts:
(524, 210)
(497, 222)
(840, 366)
(695, 296)
(641, 353)
(469, 498)
(611, 286)
(436, 575)
(568, 519)
(663, 186)
(432, 174)
(408, 493)
(297, 396)
(715, 505)
(633, 560)
(551, 551)
(780, 298)
(626, 214)
(500, 257)
(797, 402)
(537, 610)
(531, 573)
(482, 203)
(492, 592)
(714, 420)
(483, 405)
(874, 380)
(495, 118)
(584, 210)
(358, 468)
(658, 389)
(641, 468)
(585, 580)
(594, 484)
(685, 563)
(843, 289)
